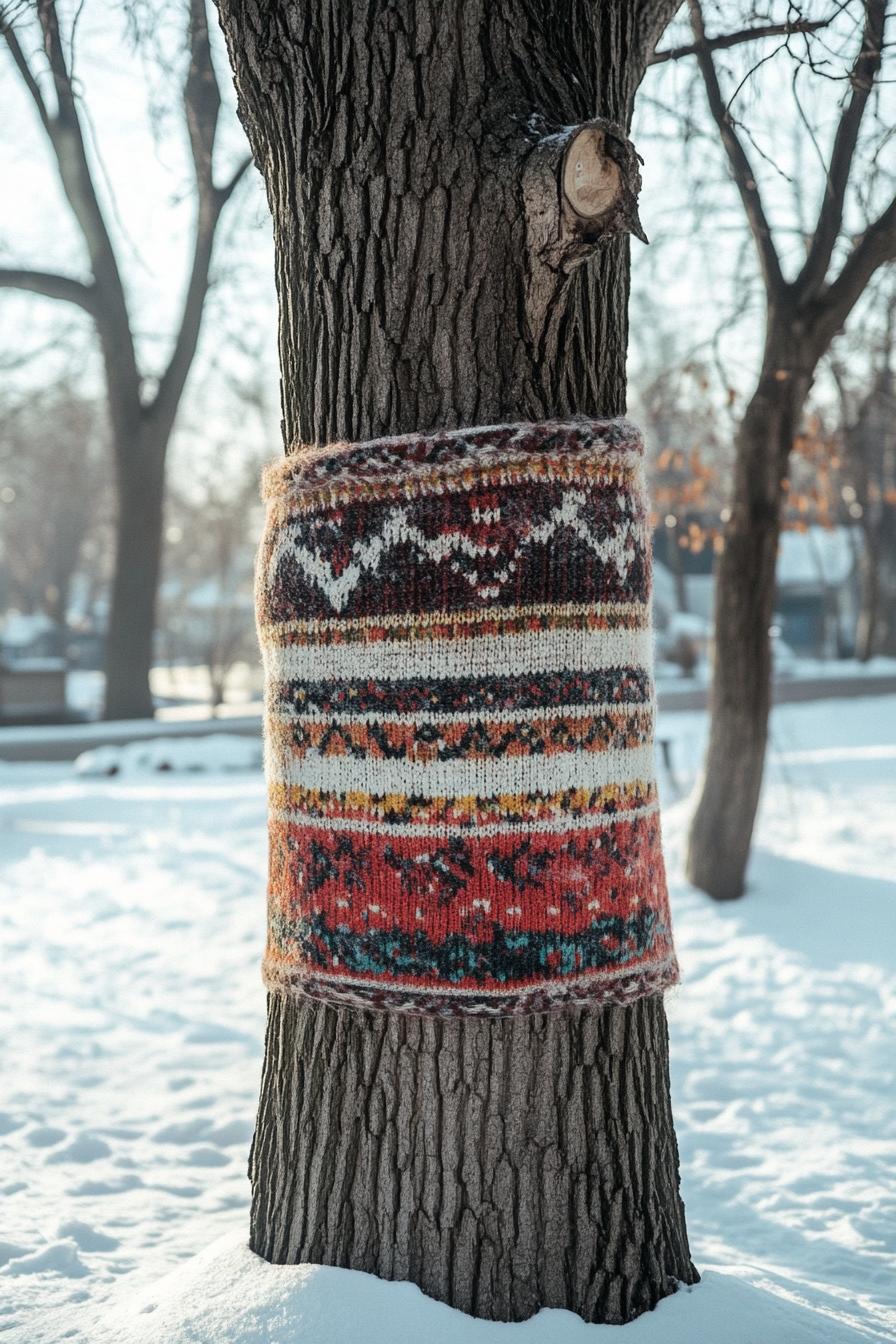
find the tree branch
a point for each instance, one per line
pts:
(875, 248)
(171, 385)
(51, 286)
(862, 76)
(202, 97)
(24, 69)
(202, 107)
(738, 161)
(110, 311)
(726, 40)
(230, 186)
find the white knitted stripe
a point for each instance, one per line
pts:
(290, 713)
(480, 778)
(533, 651)
(546, 826)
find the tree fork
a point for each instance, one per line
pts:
(450, 192)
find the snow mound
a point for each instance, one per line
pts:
(228, 1295)
(214, 752)
(57, 1257)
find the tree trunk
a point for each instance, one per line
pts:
(502, 1164)
(433, 1150)
(676, 560)
(869, 595)
(138, 542)
(723, 823)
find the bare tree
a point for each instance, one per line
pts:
(868, 417)
(803, 314)
(433, 271)
(141, 421)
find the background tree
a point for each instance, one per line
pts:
(208, 593)
(686, 452)
(868, 440)
(54, 499)
(803, 314)
(432, 272)
(142, 410)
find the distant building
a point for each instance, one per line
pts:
(32, 673)
(817, 589)
(816, 604)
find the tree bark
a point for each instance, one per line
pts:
(393, 143)
(869, 597)
(722, 828)
(501, 1166)
(431, 273)
(138, 544)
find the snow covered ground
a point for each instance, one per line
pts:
(131, 1022)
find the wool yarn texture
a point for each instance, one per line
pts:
(459, 722)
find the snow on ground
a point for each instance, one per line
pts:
(131, 919)
(215, 752)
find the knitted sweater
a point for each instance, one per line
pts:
(459, 722)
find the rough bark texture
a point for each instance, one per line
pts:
(393, 140)
(501, 1165)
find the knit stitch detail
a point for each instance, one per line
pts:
(459, 722)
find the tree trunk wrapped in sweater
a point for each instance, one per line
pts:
(456, 633)
(450, 188)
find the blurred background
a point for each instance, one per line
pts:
(190, 303)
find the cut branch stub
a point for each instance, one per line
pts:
(580, 188)
(591, 181)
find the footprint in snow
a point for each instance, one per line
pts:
(44, 1136)
(85, 1148)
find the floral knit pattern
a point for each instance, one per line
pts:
(459, 722)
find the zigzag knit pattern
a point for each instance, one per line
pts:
(459, 722)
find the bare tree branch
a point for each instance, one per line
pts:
(51, 286)
(862, 76)
(202, 106)
(111, 313)
(738, 161)
(875, 248)
(230, 186)
(24, 68)
(202, 97)
(726, 40)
